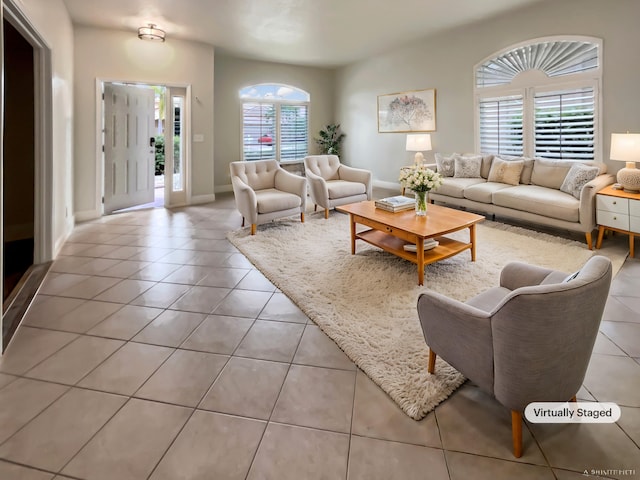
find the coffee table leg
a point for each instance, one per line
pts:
(353, 234)
(420, 255)
(472, 237)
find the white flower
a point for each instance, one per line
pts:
(420, 179)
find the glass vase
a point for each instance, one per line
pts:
(421, 203)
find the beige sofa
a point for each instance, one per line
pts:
(545, 192)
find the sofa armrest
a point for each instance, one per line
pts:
(517, 274)
(588, 198)
(246, 200)
(359, 175)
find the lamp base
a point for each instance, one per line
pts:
(629, 178)
(418, 159)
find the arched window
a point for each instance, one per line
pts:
(541, 98)
(275, 122)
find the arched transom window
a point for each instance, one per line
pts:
(275, 122)
(541, 98)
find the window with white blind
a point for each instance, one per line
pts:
(554, 115)
(501, 125)
(275, 123)
(564, 124)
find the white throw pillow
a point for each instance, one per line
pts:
(446, 164)
(577, 176)
(467, 166)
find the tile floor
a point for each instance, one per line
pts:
(155, 350)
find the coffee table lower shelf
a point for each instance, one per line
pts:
(447, 247)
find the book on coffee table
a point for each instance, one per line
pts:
(429, 243)
(395, 204)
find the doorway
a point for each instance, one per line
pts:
(27, 165)
(18, 235)
(145, 154)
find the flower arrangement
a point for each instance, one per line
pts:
(420, 179)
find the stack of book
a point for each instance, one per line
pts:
(429, 243)
(395, 204)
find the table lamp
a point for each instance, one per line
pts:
(418, 143)
(625, 147)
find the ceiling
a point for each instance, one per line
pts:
(326, 33)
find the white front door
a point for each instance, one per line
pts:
(129, 153)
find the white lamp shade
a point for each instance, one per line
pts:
(418, 142)
(625, 147)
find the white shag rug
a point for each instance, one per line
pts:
(367, 302)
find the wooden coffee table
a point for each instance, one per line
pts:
(391, 231)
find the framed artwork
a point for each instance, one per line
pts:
(413, 111)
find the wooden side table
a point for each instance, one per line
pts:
(619, 211)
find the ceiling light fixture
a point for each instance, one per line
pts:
(150, 32)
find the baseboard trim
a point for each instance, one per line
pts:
(86, 215)
(198, 199)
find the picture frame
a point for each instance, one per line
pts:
(411, 111)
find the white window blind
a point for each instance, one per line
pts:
(564, 124)
(294, 137)
(501, 125)
(258, 131)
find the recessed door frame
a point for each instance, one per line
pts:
(43, 133)
(100, 136)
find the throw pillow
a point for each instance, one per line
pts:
(467, 167)
(505, 172)
(578, 175)
(445, 164)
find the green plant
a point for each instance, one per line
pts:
(159, 144)
(330, 139)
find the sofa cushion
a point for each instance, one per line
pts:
(454, 187)
(540, 200)
(272, 200)
(445, 164)
(579, 175)
(506, 172)
(483, 192)
(467, 166)
(343, 188)
(550, 173)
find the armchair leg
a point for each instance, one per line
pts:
(302, 217)
(573, 399)
(432, 361)
(253, 229)
(516, 433)
(326, 213)
(315, 207)
(243, 221)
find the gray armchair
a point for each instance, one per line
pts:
(265, 191)
(333, 184)
(528, 340)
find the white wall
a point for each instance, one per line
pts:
(445, 62)
(51, 20)
(233, 73)
(118, 55)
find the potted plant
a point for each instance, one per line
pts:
(330, 139)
